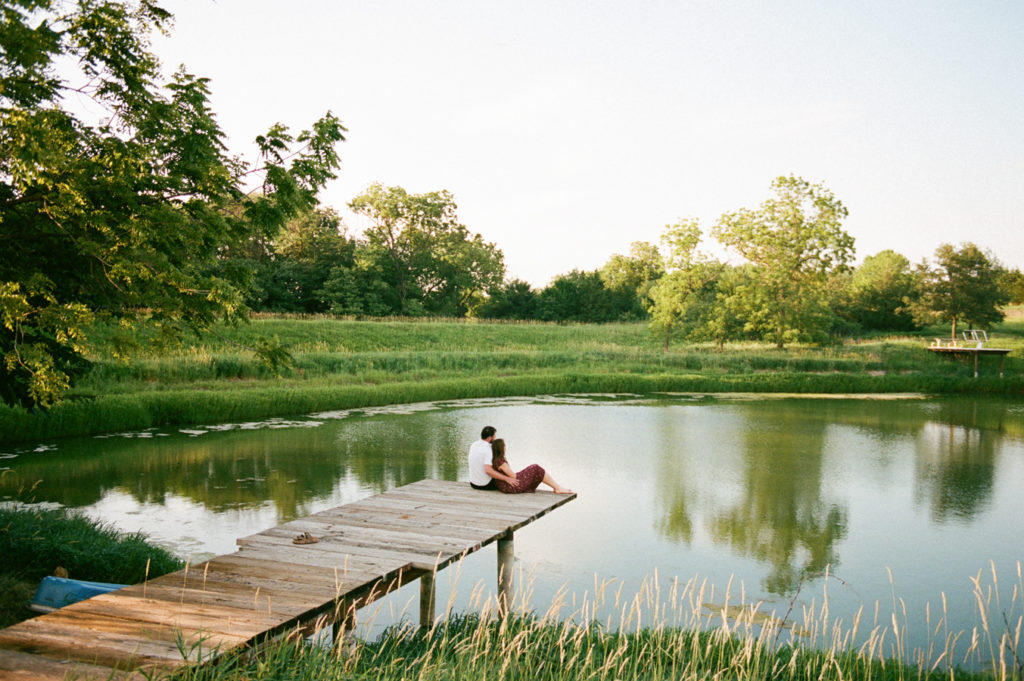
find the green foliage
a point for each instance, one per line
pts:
(794, 242)
(514, 299)
(359, 291)
(292, 270)
(720, 310)
(634, 274)
(1012, 283)
(34, 542)
(122, 217)
(881, 291)
(583, 297)
(677, 296)
(434, 263)
(15, 595)
(313, 236)
(965, 285)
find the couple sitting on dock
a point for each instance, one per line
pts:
(488, 469)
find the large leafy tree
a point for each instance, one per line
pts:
(362, 289)
(722, 311)
(1013, 285)
(514, 299)
(122, 214)
(881, 291)
(795, 241)
(581, 296)
(437, 265)
(634, 274)
(297, 263)
(689, 279)
(964, 285)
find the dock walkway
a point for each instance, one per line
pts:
(271, 587)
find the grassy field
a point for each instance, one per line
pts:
(342, 364)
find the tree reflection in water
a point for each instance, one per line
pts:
(955, 470)
(772, 502)
(289, 467)
(782, 519)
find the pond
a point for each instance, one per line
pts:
(885, 502)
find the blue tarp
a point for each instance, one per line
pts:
(56, 592)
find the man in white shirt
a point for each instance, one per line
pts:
(481, 473)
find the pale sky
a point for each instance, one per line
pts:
(568, 130)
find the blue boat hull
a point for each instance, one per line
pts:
(56, 592)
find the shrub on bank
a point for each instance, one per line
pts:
(35, 542)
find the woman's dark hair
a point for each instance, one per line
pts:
(487, 432)
(497, 450)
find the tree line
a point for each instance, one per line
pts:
(129, 211)
(795, 281)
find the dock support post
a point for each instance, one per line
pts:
(506, 571)
(427, 599)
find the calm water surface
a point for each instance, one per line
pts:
(900, 500)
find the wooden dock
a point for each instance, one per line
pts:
(972, 352)
(272, 587)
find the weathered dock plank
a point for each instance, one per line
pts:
(429, 525)
(19, 666)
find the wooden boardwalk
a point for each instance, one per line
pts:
(271, 586)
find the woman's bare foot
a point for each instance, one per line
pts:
(553, 484)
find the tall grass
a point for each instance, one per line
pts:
(345, 364)
(686, 631)
(34, 542)
(199, 404)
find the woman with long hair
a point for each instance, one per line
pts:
(525, 480)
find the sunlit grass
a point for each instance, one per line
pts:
(343, 364)
(682, 630)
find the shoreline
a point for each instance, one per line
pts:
(117, 413)
(344, 364)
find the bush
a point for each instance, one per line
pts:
(35, 542)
